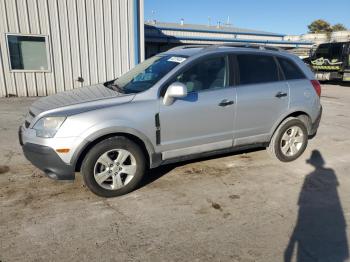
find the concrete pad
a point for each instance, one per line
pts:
(237, 207)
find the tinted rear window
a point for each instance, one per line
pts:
(255, 69)
(291, 71)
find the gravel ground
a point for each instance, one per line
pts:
(236, 207)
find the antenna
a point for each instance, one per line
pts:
(182, 21)
(228, 21)
(153, 16)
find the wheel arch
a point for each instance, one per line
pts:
(141, 140)
(302, 115)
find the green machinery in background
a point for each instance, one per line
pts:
(331, 61)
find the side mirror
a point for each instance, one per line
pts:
(175, 90)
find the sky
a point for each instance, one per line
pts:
(277, 16)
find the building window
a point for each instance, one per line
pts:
(28, 52)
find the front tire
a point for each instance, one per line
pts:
(113, 167)
(289, 140)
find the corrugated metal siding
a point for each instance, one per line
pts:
(92, 39)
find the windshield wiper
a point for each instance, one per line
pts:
(115, 87)
(112, 85)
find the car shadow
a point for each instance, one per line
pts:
(341, 83)
(347, 84)
(156, 173)
(320, 231)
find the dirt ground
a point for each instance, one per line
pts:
(237, 207)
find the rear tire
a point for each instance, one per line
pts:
(289, 140)
(113, 167)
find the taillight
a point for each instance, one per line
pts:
(316, 86)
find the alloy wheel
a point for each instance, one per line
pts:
(114, 169)
(292, 141)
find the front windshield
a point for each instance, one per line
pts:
(145, 75)
(329, 51)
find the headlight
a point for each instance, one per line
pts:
(48, 126)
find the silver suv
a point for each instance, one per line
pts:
(188, 102)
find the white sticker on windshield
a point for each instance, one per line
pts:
(176, 59)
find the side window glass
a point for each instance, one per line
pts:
(256, 69)
(290, 70)
(208, 74)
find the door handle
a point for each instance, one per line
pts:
(281, 94)
(226, 102)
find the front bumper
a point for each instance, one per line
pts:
(328, 76)
(47, 160)
(346, 76)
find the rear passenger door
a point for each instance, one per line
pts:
(262, 97)
(300, 93)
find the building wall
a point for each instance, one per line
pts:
(341, 36)
(218, 35)
(160, 37)
(96, 40)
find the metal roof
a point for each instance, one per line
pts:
(208, 29)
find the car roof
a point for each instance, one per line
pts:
(191, 50)
(198, 51)
(184, 52)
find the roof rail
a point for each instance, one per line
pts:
(215, 46)
(254, 46)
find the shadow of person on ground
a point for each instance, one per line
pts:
(320, 231)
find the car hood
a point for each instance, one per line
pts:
(78, 100)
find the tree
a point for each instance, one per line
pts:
(338, 27)
(319, 26)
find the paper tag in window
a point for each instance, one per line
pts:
(176, 59)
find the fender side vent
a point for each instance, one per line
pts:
(157, 124)
(157, 120)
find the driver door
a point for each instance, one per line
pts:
(203, 120)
